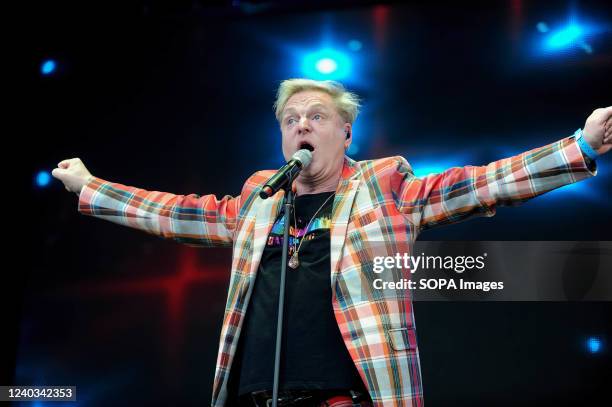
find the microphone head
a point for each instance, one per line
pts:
(303, 156)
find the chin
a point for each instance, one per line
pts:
(311, 170)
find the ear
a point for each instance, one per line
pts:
(348, 131)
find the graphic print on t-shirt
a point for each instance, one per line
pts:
(321, 223)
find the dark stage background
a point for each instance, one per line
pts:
(177, 97)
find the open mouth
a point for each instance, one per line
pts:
(306, 145)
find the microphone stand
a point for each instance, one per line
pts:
(281, 296)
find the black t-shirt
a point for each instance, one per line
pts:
(313, 353)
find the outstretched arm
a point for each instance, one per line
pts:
(191, 219)
(463, 192)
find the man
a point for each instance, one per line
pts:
(342, 345)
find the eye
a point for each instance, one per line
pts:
(290, 121)
(316, 117)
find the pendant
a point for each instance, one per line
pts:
(293, 261)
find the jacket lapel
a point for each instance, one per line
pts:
(266, 215)
(343, 204)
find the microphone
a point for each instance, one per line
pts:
(300, 160)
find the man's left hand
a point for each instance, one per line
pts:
(598, 130)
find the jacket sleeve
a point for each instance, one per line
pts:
(191, 219)
(463, 192)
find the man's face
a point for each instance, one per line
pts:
(310, 120)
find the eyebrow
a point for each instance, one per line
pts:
(313, 107)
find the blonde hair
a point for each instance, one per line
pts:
(347, 103)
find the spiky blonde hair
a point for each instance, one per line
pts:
(347, 103)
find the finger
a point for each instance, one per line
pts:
(67, 163)
(64, 163)
(604, 149)
(607, 113)
(602, 114)
(58, 173)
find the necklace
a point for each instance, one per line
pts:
(294, 261)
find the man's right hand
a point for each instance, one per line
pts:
(73, 174)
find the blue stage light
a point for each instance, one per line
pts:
(48, 67)
(423, 171)
(586, 47)
(567, 37)
(575, 35)
(43, 178)
(422, 166)
(354, 45)
(542, 27)
(326, 64)
(593, 344)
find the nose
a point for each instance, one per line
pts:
(303, 125)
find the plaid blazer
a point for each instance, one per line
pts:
(376, 200)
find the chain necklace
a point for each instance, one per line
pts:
(294, 261)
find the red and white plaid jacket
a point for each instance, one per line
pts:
(376, 201)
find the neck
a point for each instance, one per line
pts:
(311, 185)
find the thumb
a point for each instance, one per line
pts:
(59, 173)
(604, 148)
